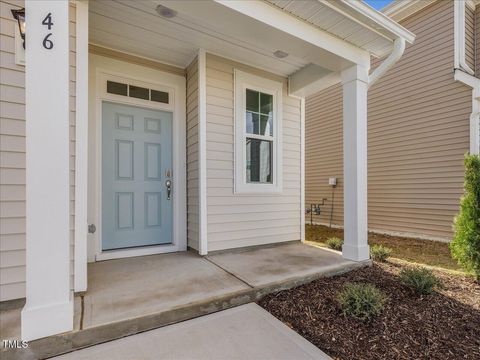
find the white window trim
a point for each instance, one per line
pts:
(243, 81)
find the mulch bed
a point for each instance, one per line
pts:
(442, 325)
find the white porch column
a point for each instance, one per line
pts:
(49, 306)
(355, 88)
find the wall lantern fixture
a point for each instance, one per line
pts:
(19, 15)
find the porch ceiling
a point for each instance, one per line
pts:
(135, 27)
(320, 37)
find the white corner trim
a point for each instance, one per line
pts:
(81, 148)
(302, 169)
(459, 37)
(474, 83)
(202, 151)
(242, 82)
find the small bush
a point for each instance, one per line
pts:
(422, 280)
(361, 301)
(380, 253)
(465, 246)
(334, 243)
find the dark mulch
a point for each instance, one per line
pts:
(443, 325)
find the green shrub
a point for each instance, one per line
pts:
(380, 252)
(465, 246)
(334, 243)
(361, 301)
(422, 280)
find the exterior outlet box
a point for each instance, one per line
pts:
(332, 181)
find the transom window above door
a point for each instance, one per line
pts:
(137, 92)
(257, 134)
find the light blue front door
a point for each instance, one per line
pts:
(136, 166)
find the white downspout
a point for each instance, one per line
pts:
(464, 74)
(459, 31)
(395, 55)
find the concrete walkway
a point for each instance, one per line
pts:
(244, 332)
(135, 295)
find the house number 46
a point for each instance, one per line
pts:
(47, 43)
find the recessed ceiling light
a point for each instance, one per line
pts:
(166, 12)
(280, 54)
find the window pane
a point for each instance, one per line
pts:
(266, 103)
(253, 100)
(259, 161)
(116, 88)
(252, 123)
(159, 96)
(266, 127)
(139, 92)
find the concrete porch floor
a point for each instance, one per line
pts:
(128, 296)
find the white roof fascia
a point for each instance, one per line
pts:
(282, 21)
(364, 13)
(399, 10)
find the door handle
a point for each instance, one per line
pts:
(168, 184)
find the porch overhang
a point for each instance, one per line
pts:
(320, 38)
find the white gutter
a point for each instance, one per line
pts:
(395, 55)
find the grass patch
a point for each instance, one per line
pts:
(432, 253)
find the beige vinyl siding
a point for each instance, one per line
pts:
(324, 153)
(12, 155)
(470, 36)
(192, 156)
(418, 131)
(244, 220)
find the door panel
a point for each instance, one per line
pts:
(136, 159)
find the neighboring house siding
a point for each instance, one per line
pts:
(192, 156)
(470, 37)
(12, 156)
(418, 131)
(244, 220)
(477, 41)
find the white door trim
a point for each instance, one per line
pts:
(175, 85)
(81, 149)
